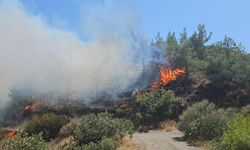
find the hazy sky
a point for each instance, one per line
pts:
(222, 17)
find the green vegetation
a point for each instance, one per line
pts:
(203, 121)
(48, 124)
(93, 132)
(24, 142)
(246, 110)
(105, 144)
(217, 72)
(68, 129)
(95, 128)
(236, 135)
(155, 106)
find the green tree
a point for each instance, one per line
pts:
(219, 72)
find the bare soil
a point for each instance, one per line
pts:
(161, 140)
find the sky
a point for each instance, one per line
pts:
(221, 17)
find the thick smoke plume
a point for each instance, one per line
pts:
(38, 59)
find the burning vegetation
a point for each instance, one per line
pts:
(4, 133)
(167, 75)
(10, 134)
(33, 106)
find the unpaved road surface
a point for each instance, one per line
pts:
(161, 140)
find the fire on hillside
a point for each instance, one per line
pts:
(5, 133)
(73, 104)
(167, 75)
(33, 106)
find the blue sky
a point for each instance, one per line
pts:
(221, 17)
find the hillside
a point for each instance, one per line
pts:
(203, 87)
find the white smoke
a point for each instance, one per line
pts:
(36, 56)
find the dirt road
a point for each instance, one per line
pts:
(161, 140)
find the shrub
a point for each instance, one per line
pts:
(203, 121)
(49, 124)
(34, 142)
(94, 128)
(156, 105)
(68, 129)
(105, 144)
(108, 144)
(246, 109)
(90, 146)
(236, 136)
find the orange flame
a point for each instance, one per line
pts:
(167, 75)
(7, 133)
(33, 106)
(10, 134)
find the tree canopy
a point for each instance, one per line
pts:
(219, 72)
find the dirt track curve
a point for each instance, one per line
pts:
(160, 140)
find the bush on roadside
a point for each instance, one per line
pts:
(155, 106)
(236, 135)
(48, 124)
(94, 128)
(24, 142)
(105, 144)
(203, 121)
(108, 144)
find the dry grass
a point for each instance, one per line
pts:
(168, 126)
(197, 143)
(128, 144)
(61, 143)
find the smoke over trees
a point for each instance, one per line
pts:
(38, 59)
